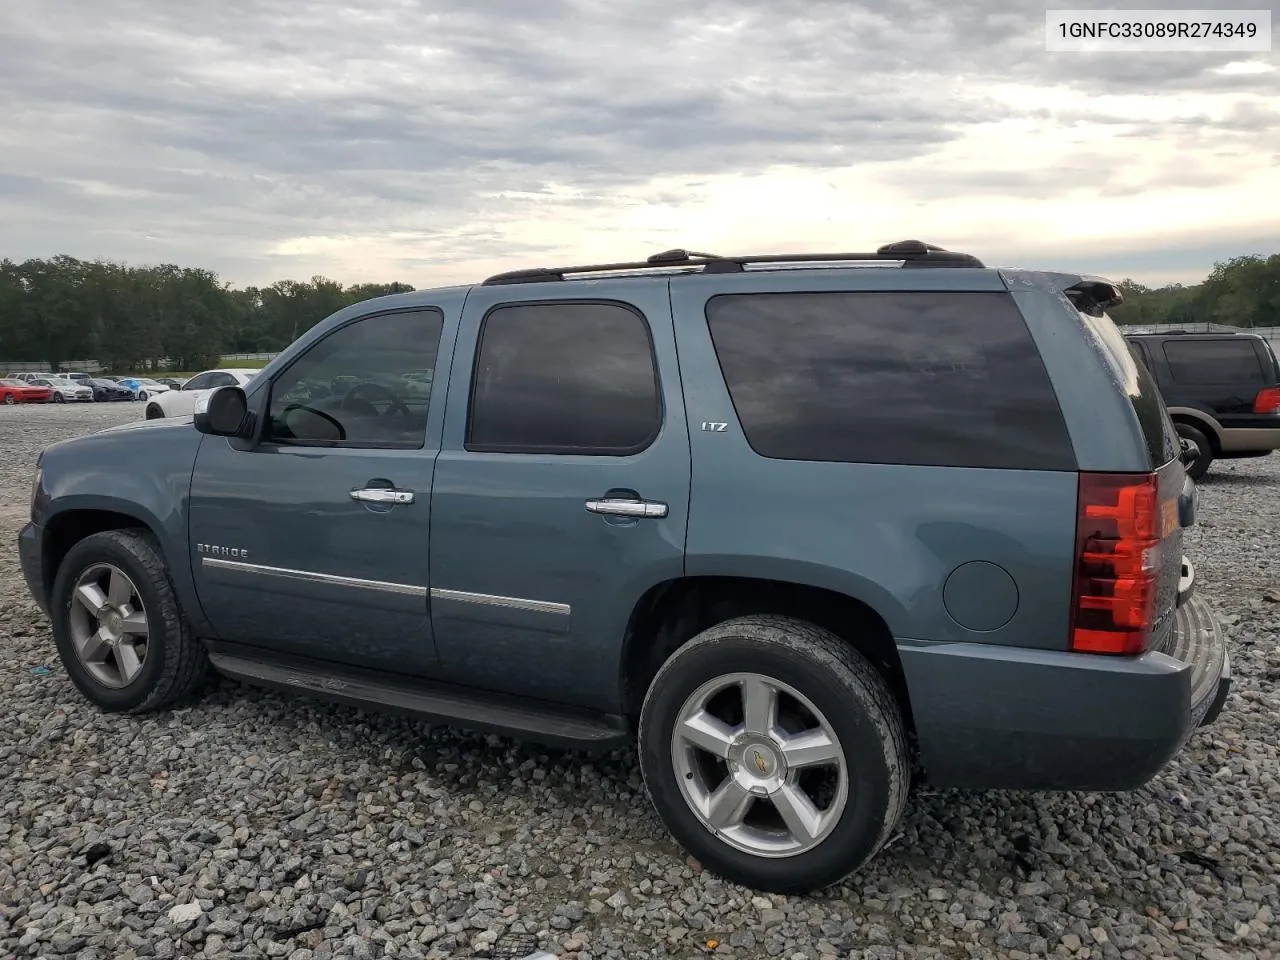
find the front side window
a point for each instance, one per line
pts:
(1229, 360)
(572, 378)
(922, 378)
(360, 386)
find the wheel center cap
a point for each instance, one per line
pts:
(115, 623)
(758, 766)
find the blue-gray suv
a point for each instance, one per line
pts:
(812, 528)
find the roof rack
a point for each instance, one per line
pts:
(913, 253)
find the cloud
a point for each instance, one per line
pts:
(440, 141)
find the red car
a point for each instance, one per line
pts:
(19, 391)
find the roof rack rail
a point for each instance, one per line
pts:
(910, 252)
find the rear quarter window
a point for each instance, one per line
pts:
(1229, 360)
(924, 378)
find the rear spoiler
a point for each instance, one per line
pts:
(1098, 289)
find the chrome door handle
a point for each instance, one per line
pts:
(628, 508)
(382, 495)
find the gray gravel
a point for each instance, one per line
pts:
(261, 825)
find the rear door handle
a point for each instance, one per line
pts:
(614, 507)
(382, 495)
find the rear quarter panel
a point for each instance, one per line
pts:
(889, 535)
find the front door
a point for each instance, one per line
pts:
(562, 487)
(315, 539)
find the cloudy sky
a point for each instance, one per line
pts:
(435, 141)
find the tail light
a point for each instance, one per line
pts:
(1119, 526)
(1267, 401)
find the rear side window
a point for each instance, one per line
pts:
(1229, 360)
(572, 378)
(924, 378)
(1130, 367)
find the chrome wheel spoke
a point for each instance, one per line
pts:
(809, 749)
(93, 648)
(134, 624)
(119, 589)
(759, 705)
(128, 662)
(90, 596)
(802, 818)
(705, 732)
(728, 805)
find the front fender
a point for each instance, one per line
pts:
(141, 471)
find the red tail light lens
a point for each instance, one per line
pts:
(1119, 526)
(1267, 401)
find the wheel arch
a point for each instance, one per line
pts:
(672, 612)
(1202, 422)
(64, 529)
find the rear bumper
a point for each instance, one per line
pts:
(994, 717)
(31, 562)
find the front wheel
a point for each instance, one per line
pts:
(153, 412)
(59, 398)
(118, 628)
(1202, 455)
(9, 400)
(774, 753)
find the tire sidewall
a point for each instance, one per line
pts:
(857, 835)
(101, 549)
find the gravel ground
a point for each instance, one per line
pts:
(261, 825)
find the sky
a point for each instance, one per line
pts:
(440, 141)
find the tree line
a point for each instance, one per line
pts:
(1240, 292)
(133, 318)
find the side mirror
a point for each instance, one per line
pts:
(225, 413)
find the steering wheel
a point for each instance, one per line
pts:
(284, 414)
(394, 403)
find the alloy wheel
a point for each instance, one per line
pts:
(759, 765)
(109, 625)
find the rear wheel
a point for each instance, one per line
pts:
(774, 753)
(1203, 455)
(59, 398)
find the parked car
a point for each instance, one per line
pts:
(811, 535)
(143, 388)
(14, 391)
(185, 402)
(171, 383)
(77, 377)
(104, 390)
(1222, 391)
(64, 391)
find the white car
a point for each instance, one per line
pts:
(190, 399)
(64, 391)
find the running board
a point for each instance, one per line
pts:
(454, 706)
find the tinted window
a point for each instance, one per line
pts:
(202, 381)
(564, 378)
(1213, 361)
(356, 386)
(1129, 362)
(917, 378)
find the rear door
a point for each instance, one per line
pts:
(561, 491)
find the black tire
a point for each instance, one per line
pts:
(153, 412)
(855, 701)
(8, 399)
(1204, 450)
(59, 398)
(176, 664)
